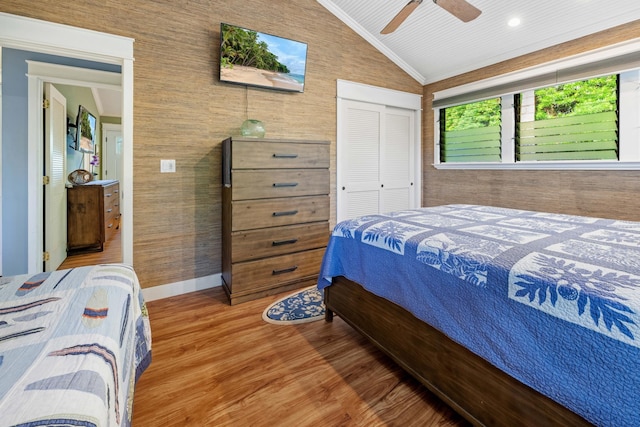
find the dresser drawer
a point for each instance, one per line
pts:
(111, 224)
(251, 276)
(252, 214)
(111, 192)
(278, 155)
(254, 244)
(270, 183)
(111, 206)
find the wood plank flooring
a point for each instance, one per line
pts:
(219, 365)
(112, 252)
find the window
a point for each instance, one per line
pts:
(471, 132)
(582, 112)
(572, 121)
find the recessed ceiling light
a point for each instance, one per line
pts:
(514, 22)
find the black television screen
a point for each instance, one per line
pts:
(85, 131)
(257, 59)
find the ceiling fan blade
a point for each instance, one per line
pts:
(400, 17)
(460, 9)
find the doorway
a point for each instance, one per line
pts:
(75, 81)
(112, 151)
(50, 38)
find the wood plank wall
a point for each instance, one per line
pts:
(182, 111)
(609, 194)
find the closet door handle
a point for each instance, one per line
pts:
(285, 213)
(284, 156)
(285, 184)
(284, 242)
(284, 270)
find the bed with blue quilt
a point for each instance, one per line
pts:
(73, 343)
(513, 317)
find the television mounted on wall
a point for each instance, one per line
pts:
(85, 131)
(258, 59)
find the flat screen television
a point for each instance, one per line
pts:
(85, 131)
(252, 58)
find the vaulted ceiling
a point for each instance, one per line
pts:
(432, 44)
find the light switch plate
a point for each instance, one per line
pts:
(167, 166)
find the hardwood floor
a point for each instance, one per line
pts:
(112, 252)
(219, 365)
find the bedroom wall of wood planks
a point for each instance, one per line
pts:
(610, 194)
(182, 111)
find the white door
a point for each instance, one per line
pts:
(359, 159)
(375, 159)
(112, 151)
(55, 193)
(396, 167)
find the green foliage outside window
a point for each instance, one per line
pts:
(241, 47)
(591, 96)
(572, 121)
(474, 115)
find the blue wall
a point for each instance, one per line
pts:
(15, 153)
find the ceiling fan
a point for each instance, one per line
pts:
(459, 8)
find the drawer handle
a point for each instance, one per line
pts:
(109, 210)
(285, 156)
(285, 213)
(284, 270)
(284, 242)
(115, 191)
(110, 225)
(285, 184)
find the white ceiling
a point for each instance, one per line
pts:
(109, 102)
(432, 44)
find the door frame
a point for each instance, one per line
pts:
(347, 90)
(35, 35)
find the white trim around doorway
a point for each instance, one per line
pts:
(46, 37)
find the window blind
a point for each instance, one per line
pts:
(471, 145)
(584, 137)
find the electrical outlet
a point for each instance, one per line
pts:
(167, 166)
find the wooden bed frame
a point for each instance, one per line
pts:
(477, 390)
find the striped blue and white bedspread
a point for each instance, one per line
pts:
(72, 346)
(553, 300)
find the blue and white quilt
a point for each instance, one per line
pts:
(553, 300)
(72, 346)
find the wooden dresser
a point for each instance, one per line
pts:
(275, 215)
(93, 214)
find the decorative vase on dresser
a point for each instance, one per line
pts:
(275, 215)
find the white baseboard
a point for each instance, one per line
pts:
(179, 288)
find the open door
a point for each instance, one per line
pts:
(55, 193)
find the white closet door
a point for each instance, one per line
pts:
(375, 159)
(396, 166)
(359, 159)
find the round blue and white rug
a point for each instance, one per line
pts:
(302, 306)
